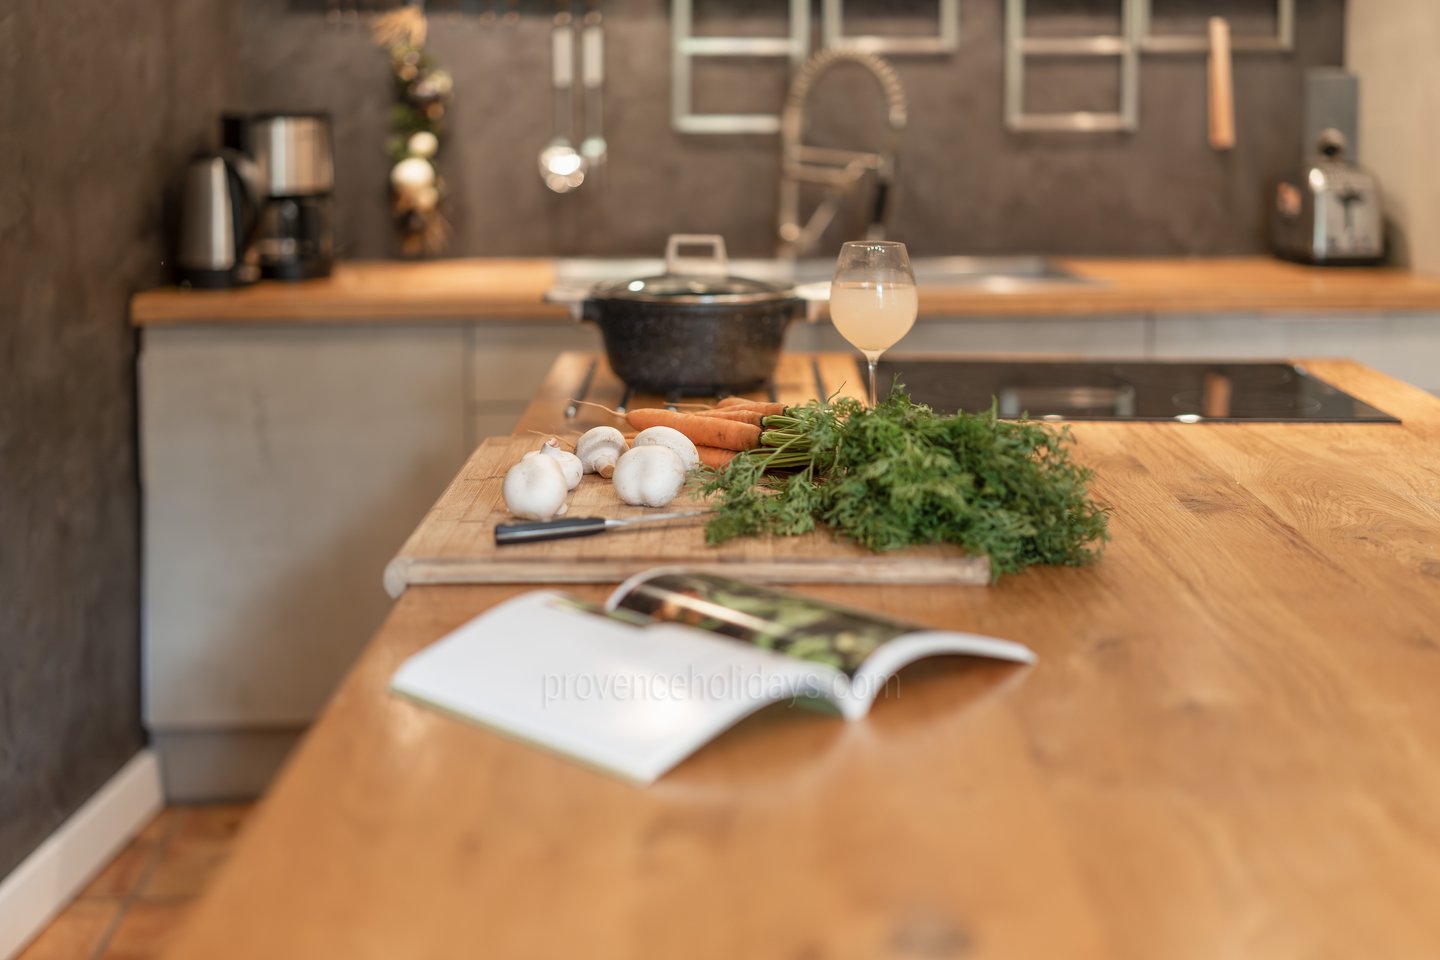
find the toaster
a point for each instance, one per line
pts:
(1331, 214)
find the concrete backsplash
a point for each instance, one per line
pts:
(967, 185)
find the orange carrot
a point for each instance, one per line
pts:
(715, 457)
(702, 431)
(738, 414)
(765, 408)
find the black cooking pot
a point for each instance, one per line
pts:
(694, 329)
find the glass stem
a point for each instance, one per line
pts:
(874, 360)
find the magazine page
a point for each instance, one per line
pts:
(796, 626)
(867, 648)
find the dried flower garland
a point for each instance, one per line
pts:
(417, 122)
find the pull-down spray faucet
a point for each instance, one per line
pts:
(840, 171)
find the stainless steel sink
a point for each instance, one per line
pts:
(999, 275)
(996, 274)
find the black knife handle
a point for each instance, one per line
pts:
(531, 531)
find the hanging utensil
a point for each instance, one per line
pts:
(561, 165)
(592, 75)
(1222, 88)
(532, 531)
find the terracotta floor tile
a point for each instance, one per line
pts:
(212, 821)
(76, 933)
(121, 876)
(167, 864)
(198, 844)
(159, 828)
(145, 930)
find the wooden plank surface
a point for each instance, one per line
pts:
(1230, 747)
(369, 291)
(455, 543)
(506, 289)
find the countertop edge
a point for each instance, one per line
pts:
(512, 290)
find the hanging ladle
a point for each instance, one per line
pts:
(561, 165)
(592, 76)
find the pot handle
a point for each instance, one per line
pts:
(714, 265)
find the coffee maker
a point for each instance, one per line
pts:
(294, 154)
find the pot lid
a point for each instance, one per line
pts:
(694, 279)
(689, 288)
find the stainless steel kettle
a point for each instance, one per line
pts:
(220, 209)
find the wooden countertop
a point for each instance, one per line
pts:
(1230, 747)
(472, 290)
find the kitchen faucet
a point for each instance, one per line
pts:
(841, 171)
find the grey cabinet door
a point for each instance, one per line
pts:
(282, 467)
(1101, 336)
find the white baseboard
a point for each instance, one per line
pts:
(47, 880)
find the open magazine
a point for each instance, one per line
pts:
(671, 660)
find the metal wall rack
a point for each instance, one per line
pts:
(1283, 40)
(685, 47)
(1124, 46)
(1135, 37)
(945, 40)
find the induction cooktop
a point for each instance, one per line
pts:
(1157, 390)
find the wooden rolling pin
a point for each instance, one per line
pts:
(1222, 87)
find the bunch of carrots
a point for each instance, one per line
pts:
(732, 425)
(718, 432)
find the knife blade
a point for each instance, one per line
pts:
(532, 531)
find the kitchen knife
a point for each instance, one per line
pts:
(531, 531)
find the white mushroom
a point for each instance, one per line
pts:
(599, 448)
(534, 488)
(649, 476)
(673, 440)
(569, 463)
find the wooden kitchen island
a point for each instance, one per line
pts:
(1230, 747)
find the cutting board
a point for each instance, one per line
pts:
(455, 543)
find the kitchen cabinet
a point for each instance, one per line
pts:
(1119, 336)
(505, 363)
(282, 466)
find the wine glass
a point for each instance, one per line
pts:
(872, 298)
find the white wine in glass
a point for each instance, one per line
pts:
(872, 298)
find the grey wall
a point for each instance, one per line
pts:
(1392, 45)
(99, 106)
(967, 184)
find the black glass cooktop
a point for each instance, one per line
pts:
(1186, 392)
